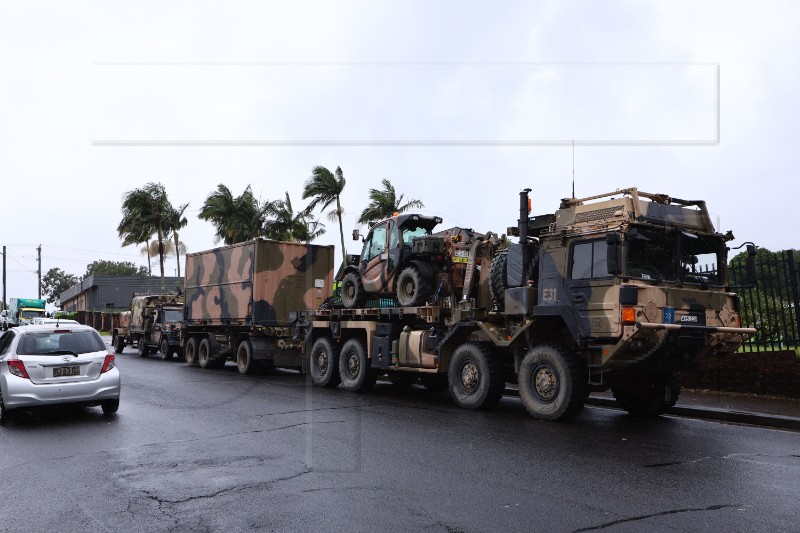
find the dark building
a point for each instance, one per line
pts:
(96, 293)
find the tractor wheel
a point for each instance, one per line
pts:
(142, 347)
(476, 377)
(119, 344)
(651, 396)
(354, 367)
(324, 363)
(553, 384)
(353, 294)
(497, 279)
(413, 289)
(165, 350)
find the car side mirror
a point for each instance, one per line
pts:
(750, 274)
(613, 260)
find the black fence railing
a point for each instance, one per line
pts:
(773, 305)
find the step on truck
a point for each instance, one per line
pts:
(242, 301)
(151, 325)
(618, 291)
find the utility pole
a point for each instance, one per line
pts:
(4, 276)
(39, 250)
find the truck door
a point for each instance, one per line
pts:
(592, 290)
(374, 259)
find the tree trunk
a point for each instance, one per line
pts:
(341, 230)
(149, 265)
(178, 253)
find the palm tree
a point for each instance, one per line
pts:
(146, 209)
(325, 188)
(236, 219)
(290, 226)
(176, 221)
(384, 203)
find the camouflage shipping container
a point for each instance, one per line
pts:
(256, 283)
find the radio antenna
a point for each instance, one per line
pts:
(573, 168)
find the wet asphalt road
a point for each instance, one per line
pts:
(201, 450)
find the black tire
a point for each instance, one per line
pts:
(166, 351)
(403, 379)
(434, 382)
(142, 347)
(497, 279)
(324, 363)
(475, 376)
(109, 407)
(354, 367)
(649, 396)
(244, 358)
(353, 293)
(119, 344)
(190, 352)
(207, 357)
(413, 289)
(553, 382)
(5, 414)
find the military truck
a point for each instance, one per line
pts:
(151, 325)
(242, 302)
(617, 291)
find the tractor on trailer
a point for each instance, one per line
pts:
(619, 291)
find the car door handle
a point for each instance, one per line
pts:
(578, 298)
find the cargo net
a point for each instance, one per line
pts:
(598, 214)
(383, 302)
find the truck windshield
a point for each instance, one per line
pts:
(409, 233)
(31, 313)
(674, 255)
(173, 315)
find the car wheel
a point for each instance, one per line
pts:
(476, 377)
(4, 413)
(144, 349)
(190, 352)
(165, 350)
(553, 384)
(119, 344)
(353, 294)
(109, 406)
(324, 363)
(354, 367)
(412, 288)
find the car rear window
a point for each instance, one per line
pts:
(58, 343)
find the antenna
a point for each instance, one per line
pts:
(573, 168)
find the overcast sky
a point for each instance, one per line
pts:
(458, 104)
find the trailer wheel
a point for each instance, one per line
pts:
(353, 294)
(652, 396)
(244, 358)
(413, 289)
(324, 363)
(165, 350)
(118, 343)
(354, 366)
(475, 376)
(207, 357)
(552, 383)
(190, 352)
(144, 349)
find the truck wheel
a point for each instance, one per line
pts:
(244, 358)
(324, 363)
(144, 349)
(413, 289)
(119, 343)
(206, 356)
(353, 294)
(552, 383)
(403, 379)
(165, 350)
(475, 376)
(497, 279)
(354, 367)
(190, 352)
(650, 397)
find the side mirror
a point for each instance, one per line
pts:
(750, 274)
(613, 260)
(356, 235)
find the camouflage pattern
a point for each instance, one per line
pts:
(258, 282)
(143, 308)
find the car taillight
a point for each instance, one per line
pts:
(108, 364)
(17, 368)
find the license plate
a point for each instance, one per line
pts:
(63, 371)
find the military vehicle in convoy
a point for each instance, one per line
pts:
(151, 325)
(620, 290)
(242, 301)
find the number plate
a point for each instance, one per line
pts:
(63, 371)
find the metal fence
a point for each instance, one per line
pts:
(773, 305)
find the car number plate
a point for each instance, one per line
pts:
(63, 371)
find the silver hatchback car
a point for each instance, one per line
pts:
(52, 364)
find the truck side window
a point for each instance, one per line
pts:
(589, 260)
(377, 243)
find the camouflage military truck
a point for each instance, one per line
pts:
(618, 291)
(151, 325)
(242, 302)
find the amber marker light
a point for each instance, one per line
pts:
(628, 315)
